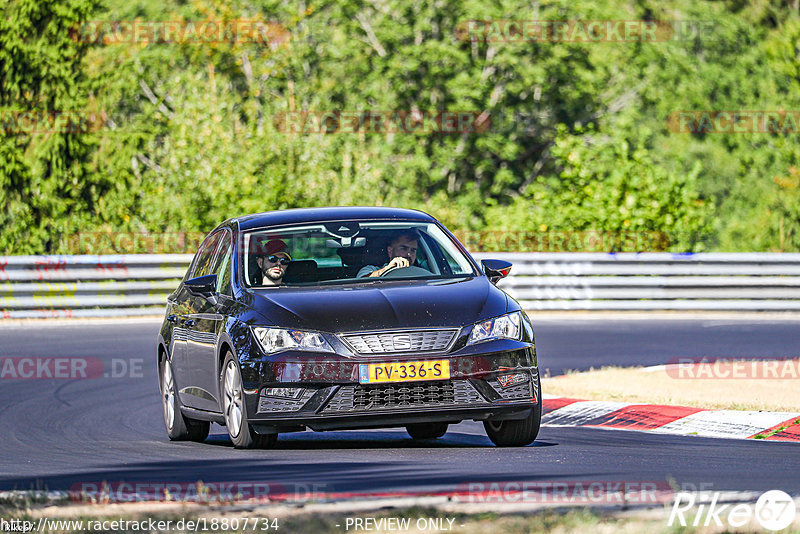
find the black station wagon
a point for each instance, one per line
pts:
(344, 318)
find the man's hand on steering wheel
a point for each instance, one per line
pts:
(396, 263)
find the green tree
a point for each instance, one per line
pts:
(577, 135)
(44, 188)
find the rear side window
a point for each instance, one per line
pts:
(205, 256)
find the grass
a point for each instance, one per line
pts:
(781, 428)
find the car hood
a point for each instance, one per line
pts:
(382, 305)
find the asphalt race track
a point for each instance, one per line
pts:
(59, 433)
(583, 344)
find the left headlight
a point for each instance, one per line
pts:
(504, 327)
(278, 339)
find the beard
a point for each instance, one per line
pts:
(272, 276)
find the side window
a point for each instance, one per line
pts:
(453, 265)
(224, 276)
(442, 263)
(205, 256)
(424, 255)
(223, 266)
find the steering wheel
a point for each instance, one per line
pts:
(410, 272)
(389, 270)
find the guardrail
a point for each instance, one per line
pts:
(653, 281)
(88, 286)
(138, 284)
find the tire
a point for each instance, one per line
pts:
(198, 430)
(179, 427)
(516, 433)
(233, 407)
(426, 430)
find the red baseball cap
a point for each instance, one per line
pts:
(276, 246)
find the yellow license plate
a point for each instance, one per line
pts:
(375, 373)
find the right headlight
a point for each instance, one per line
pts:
(507, 326)
(278, 339)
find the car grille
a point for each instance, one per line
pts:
(432, 394)
(403, 341)
(441, 393)
(277, 404)
(520, 391)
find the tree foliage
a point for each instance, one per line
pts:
(44, 186)
(577, 137)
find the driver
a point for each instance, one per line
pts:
(273, 262)
(402, 252)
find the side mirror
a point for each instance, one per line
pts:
(203, 286)
(496, 269)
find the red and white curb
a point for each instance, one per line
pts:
(680, 420)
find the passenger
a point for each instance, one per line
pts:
(273, 262)
(402, 251)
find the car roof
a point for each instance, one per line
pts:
(304, 215)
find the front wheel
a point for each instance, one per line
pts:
(240, 431)
(179, 428)
(516, 433)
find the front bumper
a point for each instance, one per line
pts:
(333, 399)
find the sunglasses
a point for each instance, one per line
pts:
(277, 259)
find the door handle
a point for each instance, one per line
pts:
(189, 322)
(172, 318)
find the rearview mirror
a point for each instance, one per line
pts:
(496, 269)
(346, 242)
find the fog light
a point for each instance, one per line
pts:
(512, 379)
(286, 393)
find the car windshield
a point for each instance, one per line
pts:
(343, 252)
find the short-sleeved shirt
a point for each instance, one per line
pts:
(367, 269)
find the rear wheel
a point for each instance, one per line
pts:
(516, 433)
(426, 430)
(179, 428)
(240, 431)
